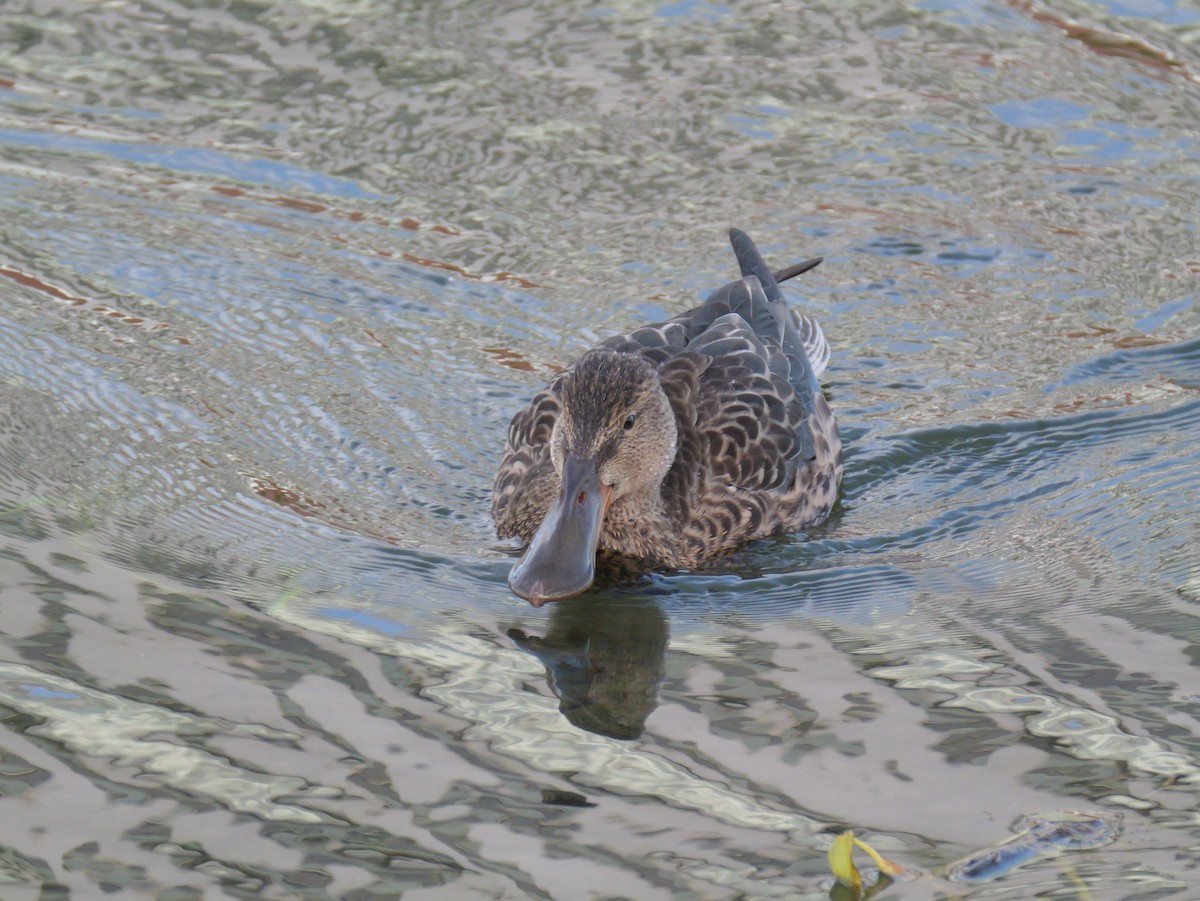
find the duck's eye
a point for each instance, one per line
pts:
(629, 421)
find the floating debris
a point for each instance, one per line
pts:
(1038, 837)
(841, 861)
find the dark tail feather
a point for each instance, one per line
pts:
(752, 263)
(782, 275)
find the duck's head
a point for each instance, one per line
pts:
(613, 442)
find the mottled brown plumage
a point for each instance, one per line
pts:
(674, 443)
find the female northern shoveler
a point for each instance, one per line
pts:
(674, 443)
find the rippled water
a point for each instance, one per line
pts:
(274, 277)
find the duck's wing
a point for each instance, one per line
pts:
(812, 338)
(527, 481)
(754, 425)
(753, 266)
(759, 388)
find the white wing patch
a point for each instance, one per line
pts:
(814, 343)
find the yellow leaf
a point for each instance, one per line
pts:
(886, 867)
(841, 861)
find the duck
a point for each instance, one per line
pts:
(672, 445)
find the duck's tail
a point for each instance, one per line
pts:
(782, 275)
(791, 340)
(751, 262)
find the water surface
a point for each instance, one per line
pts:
(275, 276)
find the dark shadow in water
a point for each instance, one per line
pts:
(603, 654)
(842, 892)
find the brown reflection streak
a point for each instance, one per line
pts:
(1137, 341)
(32, 281)
(293, 500)
(509, 358)
(211, 409)
(501, 276)
(306, 206)
(407, 223)
(1081, 403)
(379, 342)
(309, 206)
(986, 59)
(1123, 342)
(1068, 407)
(378, 251)
(879, 214)
(1107, 43)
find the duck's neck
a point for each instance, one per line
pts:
(639, 527)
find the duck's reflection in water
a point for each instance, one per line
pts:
(603, 654)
